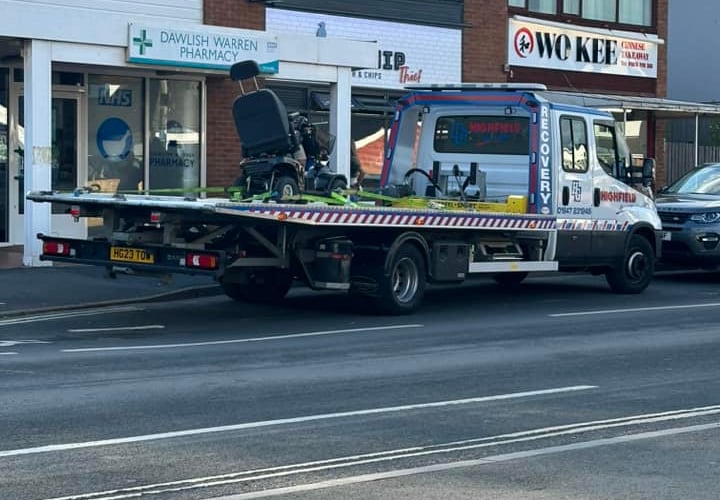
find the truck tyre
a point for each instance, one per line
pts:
(401, 291)
(509, 280)
(286, 187)
(637, 268)
(263, 286)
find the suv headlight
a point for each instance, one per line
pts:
(706, 218)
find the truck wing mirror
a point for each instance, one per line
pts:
(648, 171)
(622, 169)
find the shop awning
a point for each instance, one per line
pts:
(638, 107)
(661, 107)
(360, 103)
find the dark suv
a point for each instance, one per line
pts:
(690, 212)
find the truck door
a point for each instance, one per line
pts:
(611, 194)
(575, 200)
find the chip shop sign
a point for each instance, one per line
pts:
(540, 45)
(408, 53)
(211, 48)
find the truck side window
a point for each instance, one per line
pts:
(573, 136)
(606, 147)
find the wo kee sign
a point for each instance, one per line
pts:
(598, 51)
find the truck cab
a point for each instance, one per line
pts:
(493, 143)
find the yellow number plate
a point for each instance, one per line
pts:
(124, 254)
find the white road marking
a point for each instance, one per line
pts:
(10, 343)
(7, 353)
(116, 329)
(634, 309)
(63, 315)
(284, 421)
(492, 459)
(240, 341)
(349, 461)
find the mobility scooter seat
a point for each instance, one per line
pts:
(261, 121)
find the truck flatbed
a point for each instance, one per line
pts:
(312, 214)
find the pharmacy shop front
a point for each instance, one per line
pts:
(109, 129)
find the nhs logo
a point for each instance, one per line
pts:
(118, 97)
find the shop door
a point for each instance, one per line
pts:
(67, 173)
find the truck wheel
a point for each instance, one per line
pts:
(402, 290)
(264, 286)
(637, 268)
(509, 279)
(286, 187)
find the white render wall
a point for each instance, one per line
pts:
(101, 22)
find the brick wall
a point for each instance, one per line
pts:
(484, 40)
(661, 90)
(235, 14)
(223, 144)
(371, 155)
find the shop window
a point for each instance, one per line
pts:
(174, 134)
(19, 152)
(542, 6)
(64, 141)
(613, 154)
(4, 156)
(635, 133)
(115, 132)
(600, 10)
(626, 12)
(635, 12)
(68, 78)
(571, 7)
(58, 77)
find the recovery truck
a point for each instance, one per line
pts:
(478, 179)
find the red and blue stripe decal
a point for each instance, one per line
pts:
(540, 161)
(392, 217)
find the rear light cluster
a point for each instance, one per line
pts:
(201, 260)
(155, 218)
(57, 248)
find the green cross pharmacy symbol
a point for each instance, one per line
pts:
(142, 41)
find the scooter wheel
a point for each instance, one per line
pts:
(338, 185)
(286, 187)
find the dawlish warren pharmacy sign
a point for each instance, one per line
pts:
(211, 49)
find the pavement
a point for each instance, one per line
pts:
(31, 290)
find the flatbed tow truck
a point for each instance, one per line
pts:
(478, 179)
